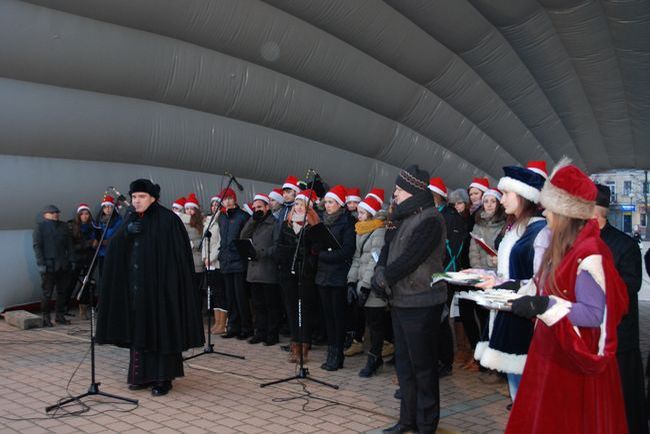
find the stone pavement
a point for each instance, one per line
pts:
(220, 394)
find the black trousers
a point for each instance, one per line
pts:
(630, 366)
(59, 280)
(218, 298)
(355, 321)
(474, 319)
(446, 335)
(334, 300)
(239, 312)
(267, 306)
(377, 320)
(308, 307)
(417, 333)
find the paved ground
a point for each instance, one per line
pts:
(220, 394)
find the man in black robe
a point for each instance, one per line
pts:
(627, 258)
(147, 301)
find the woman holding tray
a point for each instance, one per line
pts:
(571, 382)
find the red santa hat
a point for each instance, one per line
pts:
(276, 195)
(353, 195)
(264, 198)
(108, 201)
(228, 192)
(480, 183)
(292, 183)
(83, 207)
(377, 193)
(192, 201)
(569, 192)
(437, 185)
(248, 207)
(179, 203)
(308, 196)
(216, 198)
(337, 193)
(371, 205)
(538, 167)
(493, 192)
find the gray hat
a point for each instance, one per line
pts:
(459, 195)
(51, 208)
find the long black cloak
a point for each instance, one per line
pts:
(163, 315)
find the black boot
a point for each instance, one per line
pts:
(60, 320)
(336, 361)
(372, 365)
(329, 361)
(46, 320)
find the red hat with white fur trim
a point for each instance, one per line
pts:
(494, 192)
(292, 183)
(353, 195)
(108, 201)
(437, 185)
(83, 207)
(538, 167)
(377, 193)
(216, 198)
(179, 203)
(337, 193)
(371, 205)
(248, 207)
(264, 198)
(308, 196)
(276, 195)
(569, 192)
(480, 183)
(192, 201)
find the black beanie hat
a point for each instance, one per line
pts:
(144, 186)
(413, 180)
(603, 196)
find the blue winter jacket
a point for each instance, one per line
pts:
(230, 225)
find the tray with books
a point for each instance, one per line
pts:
(469, 277)
(497, 299)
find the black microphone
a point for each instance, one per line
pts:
(239, 186)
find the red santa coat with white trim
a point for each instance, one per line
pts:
(571, 382)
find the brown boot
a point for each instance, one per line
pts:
(294, 356)
(305, 353)
(220, 319)
(83, 311)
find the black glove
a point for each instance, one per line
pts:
(352, 292)
(529, 306)
(134, 228)
(364, 293)
(378, 284)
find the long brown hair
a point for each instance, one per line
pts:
(527, 210)
(564, 234)
(76, 224)
(196, 221)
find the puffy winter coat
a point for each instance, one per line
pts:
(488, 229)
(263, 269)
(195, 243)
(333, 266)
(363, 263)
(230, 225)
(215, 242)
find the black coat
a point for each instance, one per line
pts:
(231, 224)
(457, 244)
(627, 259)
(153, 306)
(333, 266)
(285, 250)
(263, 268)
(52, 245)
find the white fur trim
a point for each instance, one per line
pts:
(261, 197)
(476, 185)
(215, 199)
(480, 349)
(291, 186)
(276, 196)
(191, 205)
(521, 188)
(538, 171)
(561, 202)
(593, 264)
(503, 362)
(494, 193)
(528, 288)
(82, 208)
(108, 204)
(352, 199)
(332, 196)
(437, 190)
(368, 208)
(559, 310)
(376, 197)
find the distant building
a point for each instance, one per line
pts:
(628, 209)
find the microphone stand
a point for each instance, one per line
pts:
(209, 346)
(303, 371)
(93, 389)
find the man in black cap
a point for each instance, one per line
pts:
(627, 258)
(52, 248)
(414, 250)
(147, 301)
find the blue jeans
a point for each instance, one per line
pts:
(513, 385)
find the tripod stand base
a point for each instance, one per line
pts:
(303, 374)
(93, 390)
(209, 349)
